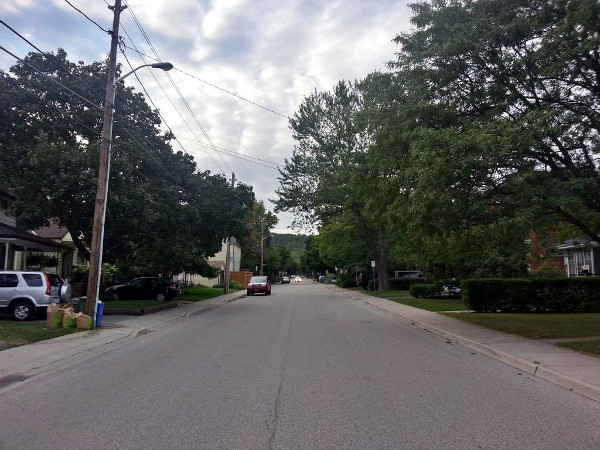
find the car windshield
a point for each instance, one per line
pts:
(258, 280)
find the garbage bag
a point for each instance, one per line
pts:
(69, 318)
(83, 322)
(54, 316)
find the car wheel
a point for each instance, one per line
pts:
(160, 297)
(22, 310)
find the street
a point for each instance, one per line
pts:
(303, 368)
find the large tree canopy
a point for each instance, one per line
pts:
(522, 82)
(163, 214)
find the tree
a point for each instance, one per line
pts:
(332, 171)
(163, 215)
(259, 223)
(522, 82)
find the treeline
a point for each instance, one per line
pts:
(486, 128)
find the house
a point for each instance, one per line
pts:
(581, 257)
(217, 262)
(22, 250)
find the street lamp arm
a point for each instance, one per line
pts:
(166, 66)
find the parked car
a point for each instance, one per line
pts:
(24, 293)
(258, 285)
(298, 279)
(144, 288)
(285, 280)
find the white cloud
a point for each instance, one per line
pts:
(271, 52)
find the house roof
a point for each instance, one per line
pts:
(16, 237)
(217, 264)
(52, 231)
(576, 243)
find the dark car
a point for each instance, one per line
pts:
(144, 288)
(258, 285)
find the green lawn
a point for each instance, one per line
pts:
(200, 293)
(537, 326)
(435, 305)
(592, 346)
(15, 334)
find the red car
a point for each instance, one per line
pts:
(259, 285)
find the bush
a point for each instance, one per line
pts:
(347, 280)
(404, 284)
(557, 295)
(423, 290)
(372, 285)
(547, 272)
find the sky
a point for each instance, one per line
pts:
(272, 53)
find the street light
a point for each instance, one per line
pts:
(97, 243)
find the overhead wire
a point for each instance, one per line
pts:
(215, 86)
(87, 17)
(183, 99)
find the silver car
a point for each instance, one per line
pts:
(24, 293)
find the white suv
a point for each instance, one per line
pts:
(22, 294)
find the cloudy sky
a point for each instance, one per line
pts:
(270, 52)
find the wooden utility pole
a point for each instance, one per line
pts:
(227, 241)
(93, 287)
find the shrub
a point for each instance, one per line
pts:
(372, 285)
(556, 295)
(547, 272)
(423, 290)
(404, 284)
(347, 280)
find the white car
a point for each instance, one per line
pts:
(298, 280)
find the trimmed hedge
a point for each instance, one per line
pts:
(404, 284)
(557, 295)
(422, 290)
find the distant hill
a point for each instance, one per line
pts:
(296, 243)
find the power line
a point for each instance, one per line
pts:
(174, 106)
(216, 87)
(52, 79)
(185, 102)
(86, 16)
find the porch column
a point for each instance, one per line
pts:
(592, 266)
(6, 251)
(24, 259)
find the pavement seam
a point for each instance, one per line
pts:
(581, 387)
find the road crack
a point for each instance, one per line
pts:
(271, 424)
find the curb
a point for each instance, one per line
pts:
(581, 387)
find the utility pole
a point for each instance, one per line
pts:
(93, 287)
(227, 242)
(262, 247)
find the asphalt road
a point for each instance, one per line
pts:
(304, 368)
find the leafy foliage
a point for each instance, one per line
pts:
(163, 214)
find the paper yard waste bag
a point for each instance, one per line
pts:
(69, 319)
(83, 322)
(54, 316)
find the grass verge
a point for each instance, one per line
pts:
(130, 304)
(435, 305)
(199, 293)
(592, 346)
(15, 334)
(537, 326)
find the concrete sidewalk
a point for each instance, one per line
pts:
(22, 363)
(568, 368)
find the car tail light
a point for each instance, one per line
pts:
(48, 285)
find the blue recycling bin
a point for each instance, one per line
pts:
(99, 313)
